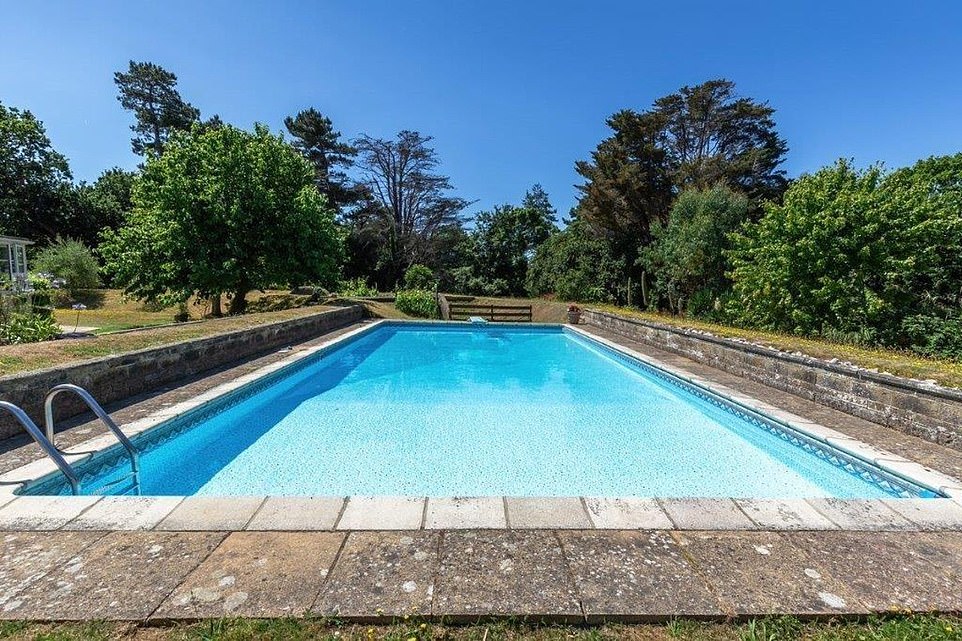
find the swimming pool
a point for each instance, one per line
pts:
(431, 409)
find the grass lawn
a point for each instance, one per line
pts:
(109, 311)
(31, 356)
(912, 628)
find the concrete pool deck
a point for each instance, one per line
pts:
(464, 576)
(569, 559)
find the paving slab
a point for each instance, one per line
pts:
(256, 574)
(760, 573)
(927, 514)
(460, 513)
(629, 513)
(382, 513)
(635, 576)
(211, 513)
(546, 512)
(888, 571)
(706, 514)
(125, 513)
(491, 573)
(785, 514)
(122, 576)
(27, 556)
(304, 513)
(43, 512)
(381, 574)
(861, 514)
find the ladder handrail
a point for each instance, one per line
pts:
(101, 414)
(45, 444)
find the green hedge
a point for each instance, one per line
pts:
(417, 302)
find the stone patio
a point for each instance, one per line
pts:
(461, 559)
(466, 575)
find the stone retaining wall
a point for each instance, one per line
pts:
(114, 378)
(914, 407)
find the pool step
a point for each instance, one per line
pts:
(111, 488)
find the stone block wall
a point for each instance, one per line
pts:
(914, 407)
(114, 378)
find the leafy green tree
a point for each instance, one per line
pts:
(408, 214)
(694, 138)
(101, 205)
(627, 189)
(812, 264)
(686, 257)
(859, 255)
(923, 273)
(505, 241)
(224, 211)
(537, 200)
(455, 251)
(34, 178)
(315, 137)
(150, 92)
(419, 277)
(70, 260)
(711, 135)
(575, 265)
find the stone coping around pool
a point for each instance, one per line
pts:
(435, 513)
(405, 513)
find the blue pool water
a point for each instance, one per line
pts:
(422, 409)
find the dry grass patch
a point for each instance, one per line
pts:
(32, 356)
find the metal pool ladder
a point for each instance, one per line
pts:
(105, 419)
(47, 444)
(47, 447)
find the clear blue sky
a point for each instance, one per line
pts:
(514, 92)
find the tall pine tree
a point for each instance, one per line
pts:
(150, 92)
(316, 139)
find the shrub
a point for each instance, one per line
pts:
(686, 257)
(27, 328)
(417, 302)
(419, 277)
(72, 261)
(573, 265)
(357, 287)
(861, 256)
(932, 336)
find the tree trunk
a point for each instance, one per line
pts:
(215, 307)
(239, 302)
